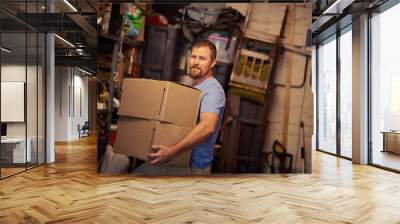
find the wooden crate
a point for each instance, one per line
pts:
(251, 70)
(264, 21)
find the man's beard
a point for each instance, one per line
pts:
(198, 72)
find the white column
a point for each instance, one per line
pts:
(50, 93)
(360, 90)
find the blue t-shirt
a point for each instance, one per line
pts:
(212, 100)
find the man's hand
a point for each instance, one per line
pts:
(203, 130)
(161, 154)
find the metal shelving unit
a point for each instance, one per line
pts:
(107, 116)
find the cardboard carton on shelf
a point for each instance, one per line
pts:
(155, 113)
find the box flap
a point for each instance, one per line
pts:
(182, 105)
(160, 100)
(142, 98)
(169, 135)
(135, 136)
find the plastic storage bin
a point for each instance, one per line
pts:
(226, 46)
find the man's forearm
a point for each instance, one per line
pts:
(196, 136)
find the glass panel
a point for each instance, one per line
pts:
(32, 96)
(11, 11)
(13, 80)
(385, 89)
(32, 88)
(23, 82)
(41, 99)
(346, 94)
(21, 6)
(327, 97)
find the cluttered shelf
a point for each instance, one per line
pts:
(106, 110)
(126, 40)
(103, 67)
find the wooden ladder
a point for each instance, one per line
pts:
(251, 80)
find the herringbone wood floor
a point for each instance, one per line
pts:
(70, 191)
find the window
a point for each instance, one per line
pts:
(327, 96)
(394, 102)
(334, 137)
(346, 93)
(385, 88)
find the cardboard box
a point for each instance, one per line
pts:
(155, 113)
(136, 136)
(160, 100)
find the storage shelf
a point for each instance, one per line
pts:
(102, 111)
(104, 69)
(107, 58)
(114, 110)
(126, 41)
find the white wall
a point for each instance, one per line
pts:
(70, 83)
(80, 84)
(13, 72)
(61, 103)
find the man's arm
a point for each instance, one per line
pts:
(204, 129)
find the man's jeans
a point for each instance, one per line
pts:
(147, 168)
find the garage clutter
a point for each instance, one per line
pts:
(259, 57)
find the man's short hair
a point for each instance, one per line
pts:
(206, 43)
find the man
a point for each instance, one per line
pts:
(202, 137)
